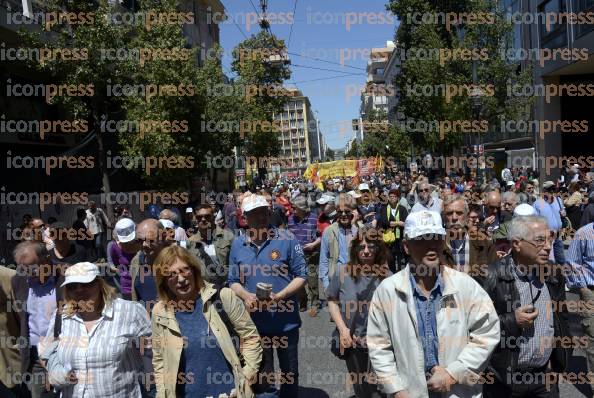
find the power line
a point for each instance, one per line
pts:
(328, 70)
(293, 23)
(325, 78)
(255, 9)
(238, 27)
(323, 60)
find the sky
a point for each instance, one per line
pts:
(340, 32)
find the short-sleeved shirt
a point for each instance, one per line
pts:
(278, 261)
(348, 291)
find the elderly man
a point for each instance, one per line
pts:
(303, 224)
(211, 244)
(266, 270)
(37, 295)
(179, 234)
(431, 328)
(336, 239)
(151, 234)
(529, 296)
(493, 219)
(465, 252)
(425, 199)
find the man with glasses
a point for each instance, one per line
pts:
(211, 244)
(431, 328)
(493, 209)
(529, 297)
(334, 250)
(153, 238)
(426, 201)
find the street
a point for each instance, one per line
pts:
(322, 375)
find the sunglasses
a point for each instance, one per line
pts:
(203, 217)
(370, 246)
(344, 213)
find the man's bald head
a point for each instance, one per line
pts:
(153, 237)
(168, 215)
(150, 226)
(494, 199)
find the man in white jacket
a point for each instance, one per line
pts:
(431, 329)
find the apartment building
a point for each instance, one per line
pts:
(301, 141)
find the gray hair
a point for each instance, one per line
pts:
(38, 247)
(346, 200)
(509, 195)
(520, 226)
(455, 197)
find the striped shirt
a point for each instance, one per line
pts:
(304, 230)
(106, 361)
(534, 352)
(581, 257)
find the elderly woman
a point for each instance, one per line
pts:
(349, 294)
(103, 348)
(195, 333)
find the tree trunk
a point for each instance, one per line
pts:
(106, 188)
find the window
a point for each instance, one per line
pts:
(557, 35)
(584, 6)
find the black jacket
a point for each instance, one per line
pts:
(499, 283)
(20, 289)
(384, 220)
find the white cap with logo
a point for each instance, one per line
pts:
(252, 202)
(81, 273)
(125, 230)
(423, 223)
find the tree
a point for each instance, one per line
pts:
(329, 154)
(383, 139)
(354, 151)
(422, 67)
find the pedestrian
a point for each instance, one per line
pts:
(529, 296)
(334, 249)
(97, 225)
(588, 213)
(352, 287)
(549, 206)
(425, 200)
(390, 220)
(9, 333)
(152, 238)
(37, 289)
(66, 251)
(179, 234)
(431, 328)
(573, 205)
(211, 245)
(115, 357)
(83, 236)
(270, 262)
(303, 225)
(188, 309)
(122, 251)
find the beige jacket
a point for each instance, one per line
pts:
(168, 342)
(467, 331)
(10, 360)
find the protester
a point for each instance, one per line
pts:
(152, 237)
(122, 252)
(37, 291)
(573, 205)
(9, 332)
(548, 206)
(274, 257)
(352, 287)
(97, 225)
(527, 293)
(390, 219)
(179, 234)
(425, 199)
(454, 339)
(65, 249)
(588, 213)
(334, 250)
(211, 245)
(83, 236)
(188, 307)
(116, 356)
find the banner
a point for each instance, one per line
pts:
(343, 168)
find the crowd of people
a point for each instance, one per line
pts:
(436, 286)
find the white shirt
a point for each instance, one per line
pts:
(106, 360)
(94, 221)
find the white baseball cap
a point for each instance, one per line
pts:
(125, 230)
(423, 223)
(325, 199)
(363, 187)
(354, 194)
(167, 224)
(252, 202)
(524, 210)
(189, 210)
(80, 273)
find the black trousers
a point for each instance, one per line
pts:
(523, 384)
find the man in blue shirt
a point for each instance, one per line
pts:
(550, 207)
(270, 256)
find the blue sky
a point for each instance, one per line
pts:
(338, 31)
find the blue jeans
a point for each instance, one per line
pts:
(559, 251)
(287, 354)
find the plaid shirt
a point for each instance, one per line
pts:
(305, 230)
(534, 349)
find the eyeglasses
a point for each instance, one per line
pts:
(424, 190)
(508, 204)
(146, 240)
(185, 272)
(344, 213)
(539, 242)
(204, 217)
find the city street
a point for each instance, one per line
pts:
(323, 375)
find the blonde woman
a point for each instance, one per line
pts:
(100, 349)
(194, 353)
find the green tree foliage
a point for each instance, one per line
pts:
(494, 70)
